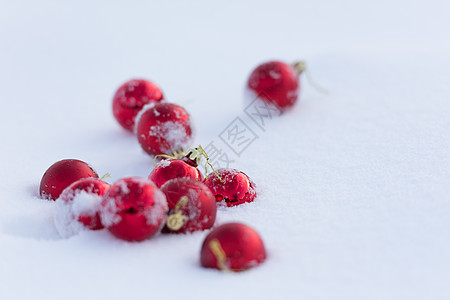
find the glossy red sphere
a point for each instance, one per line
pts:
(236, 188)
(131, 97)
(164, 128)
(133, 209)
(232, 247)
(168, 169)
(275, 82)
(78, 206)
(61, 174)
(197, 212)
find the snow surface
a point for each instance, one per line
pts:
(354, 186)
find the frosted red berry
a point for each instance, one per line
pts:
(131, 97)
(275, 82)
(78, 206)
(232, 247)
(163, 128)
(133, 209)
(233, 187)
(61, 174)
(192, 206)
(168, 169)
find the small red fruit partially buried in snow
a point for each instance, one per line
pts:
(276, 82)
(78, 206)
(133, 209)
(235, 187)
(131, 97)
(163, 128)
(192, 206)
(61, 174)
(232, 247)
(168, 169)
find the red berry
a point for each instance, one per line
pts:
(163, 128)
(192, 206)
(232, 247)
(61, 174)
(235, 188)
(133, 209)
(173, 168)
(78, 206)
(275, 82)
(131, 97)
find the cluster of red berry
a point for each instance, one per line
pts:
(176, 198)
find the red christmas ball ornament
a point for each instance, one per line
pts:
(164, 128)
(168, 169)
(192, 206)
(61, 174)
(78, 206)
(131, 97)
(232, 186)
(232, 247)
(133, 209)
(276, 82)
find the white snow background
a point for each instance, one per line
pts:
(354, 186)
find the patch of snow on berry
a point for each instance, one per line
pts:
(67, 212)
(274, 74)
(205, 220)
(193, 194)
(194, 203)
(194, 212)
(174, 134)
(157, 212)
(86, 204)
(227, 175)
(123, 186)
(163, 163)
(108, 212)
(292, 94)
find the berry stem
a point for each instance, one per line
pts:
(196, 154)
(177, 219)
(177, 154)
(182, 202)
(208, 163)
(220, 255)
(300, 67)
(107, 175)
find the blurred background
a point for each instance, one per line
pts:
(354, 199)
